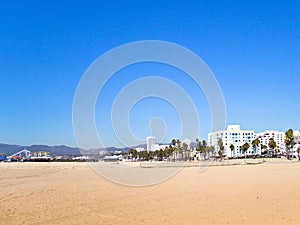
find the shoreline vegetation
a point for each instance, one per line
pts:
(177, 151)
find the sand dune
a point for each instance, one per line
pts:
(72, 193)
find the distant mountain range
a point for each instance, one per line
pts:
(57, 150)
(8, 149)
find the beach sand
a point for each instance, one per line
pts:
(72, 193)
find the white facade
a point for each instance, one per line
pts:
(158, 147)
(233, 135)
(150, 143)
(297, 141)
(139, 149)
(264, 138)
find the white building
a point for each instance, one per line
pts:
(233, 135)
(159, 147)
(139, 149)
(150, 143)
(297, 141)
(264, 138)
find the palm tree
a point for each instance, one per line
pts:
(221, 147)
(185, 148)
(174, 150)
(263, 148)
(255, 144)
(245, 147)
(211, 149)
(289, 141)
(178, 142)
(179, 149)
(173, 142)
(133, 153)
(161, 154)
(272, 145)
(201, 147)
(167, 152)
(202, 151)
(197, 144)
(231, 148)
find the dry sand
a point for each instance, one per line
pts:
(72, 193)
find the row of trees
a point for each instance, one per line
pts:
(245, 147)
(289, 142)
(255, 143)
(181, 151)
(175, 151)
(202, 148)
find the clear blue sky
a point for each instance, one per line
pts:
(253, 49)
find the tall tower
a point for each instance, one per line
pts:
(150, 143)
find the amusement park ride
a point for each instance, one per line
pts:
(26, 155)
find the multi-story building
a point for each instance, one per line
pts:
(150, 143)
(233, 135)
(297, 141)
(264, 138)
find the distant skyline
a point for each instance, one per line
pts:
(252, 48)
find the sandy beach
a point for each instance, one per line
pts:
(72, 193)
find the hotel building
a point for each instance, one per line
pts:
(264, 138)
(297, 141)
(233, 135)
(150, 143)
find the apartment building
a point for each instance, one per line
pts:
(233, 135)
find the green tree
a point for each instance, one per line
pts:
(245, 147)
(263, 149)
(156, 154)
(272, 145)
(174, 150)
(298, 151)
(161, 154)
(179, 148)
(185, 148)
(289, 141)
(255, 144)
(173, 142)
(221, 147)
(151, 156)
(231, 148)
(178, 142)
(169, 151)
(202, 150)
(197, 144)
(144, 155)
(133, 153)
(211, 149)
